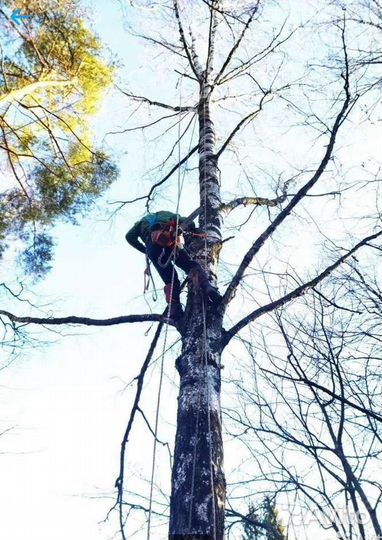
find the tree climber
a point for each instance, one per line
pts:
(161, 233)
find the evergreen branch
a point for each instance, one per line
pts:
(269, 528)
(19, 93)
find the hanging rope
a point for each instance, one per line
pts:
(206, 378)
(203, 385)
(147, 277)
(172, 256)
(156, 433)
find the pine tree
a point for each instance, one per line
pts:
(263, 523)
(52, 78)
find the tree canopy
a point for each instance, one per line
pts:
(53, 74)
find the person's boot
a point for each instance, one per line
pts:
(175, 310)
(199, 278)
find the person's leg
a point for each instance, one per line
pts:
(169, 277)
(197, 275)
(184, 261)
(153, 252)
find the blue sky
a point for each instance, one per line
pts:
(67, 401)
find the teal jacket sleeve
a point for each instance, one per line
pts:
(133, 235)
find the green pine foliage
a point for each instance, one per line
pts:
(263, 523)
(52, 78)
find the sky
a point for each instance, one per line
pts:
(65, 402)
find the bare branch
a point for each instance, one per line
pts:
(236, 45)
(242, 122)
(211, 42)
(134, 409)
(299, 291)
(297, 198)
(226, 208)
(144, 126)
(196, 72)
(85, 321)
(215, 6)
(169, 46)
(157, 103)
(363, 21)
(175, 168)
(270, 48)
(194, 55)
(343, 400)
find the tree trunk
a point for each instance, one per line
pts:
(198, 483)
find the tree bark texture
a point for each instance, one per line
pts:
(198, 483)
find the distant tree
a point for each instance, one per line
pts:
(323, 440)
(52, 77)
(251, 525)
(263, 523)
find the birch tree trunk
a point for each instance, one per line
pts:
(198, 483)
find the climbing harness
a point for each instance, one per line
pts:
(164, 263)
(169, 236)
(166, 234)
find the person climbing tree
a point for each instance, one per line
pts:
(162, 236)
